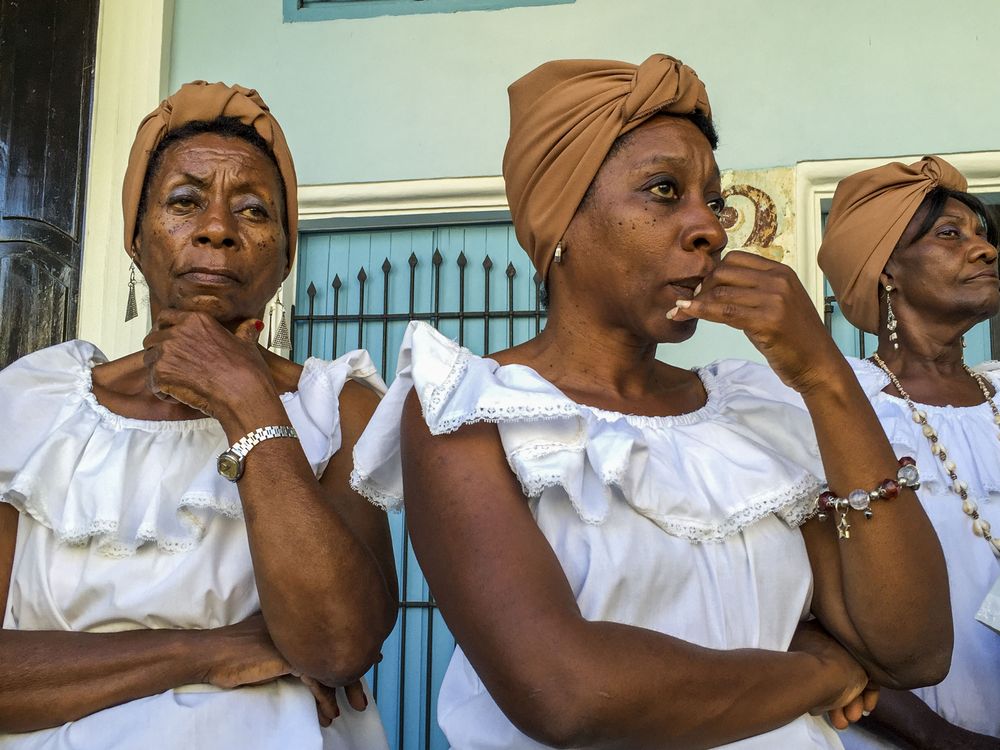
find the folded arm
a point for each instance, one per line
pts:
(561, 679)
(50, 677)
(884, 592)
(322, 555)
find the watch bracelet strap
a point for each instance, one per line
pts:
(242, 446)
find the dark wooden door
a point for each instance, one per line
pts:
(47, 50)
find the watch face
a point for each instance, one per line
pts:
(229, 466)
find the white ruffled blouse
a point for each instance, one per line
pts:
(970, 695)
(126, 524)
(686, 525)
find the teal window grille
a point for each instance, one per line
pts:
(358, 288)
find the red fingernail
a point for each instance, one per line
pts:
(259, 325)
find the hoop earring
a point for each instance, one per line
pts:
(559, 253)
(891, 324)
(131, 308)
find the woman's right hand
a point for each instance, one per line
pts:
(765, 299)
(849, 689)
(245, 655)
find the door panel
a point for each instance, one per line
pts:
(47, 50)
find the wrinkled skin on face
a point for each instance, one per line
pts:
(212, 238)
(947, 276)
(649, 232)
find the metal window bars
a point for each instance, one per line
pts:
(361, 326)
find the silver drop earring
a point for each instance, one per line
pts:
(891, 323)
(559, 252)
(131, 308)
(281, 340)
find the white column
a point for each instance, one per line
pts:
(133, 55)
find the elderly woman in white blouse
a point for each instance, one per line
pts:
(616, 542)
(912, 257)
(182, 561)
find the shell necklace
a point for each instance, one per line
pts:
(980, 526)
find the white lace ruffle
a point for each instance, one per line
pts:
(967, 432)
(747, 453)
(93, 476)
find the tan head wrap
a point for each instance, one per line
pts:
(870, 212)
(564, 117)
(201, 101)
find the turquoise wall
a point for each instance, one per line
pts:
(416, 96)
(423, 96)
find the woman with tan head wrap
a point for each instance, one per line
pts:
(182, 560)
(614, 541)
(912, 257)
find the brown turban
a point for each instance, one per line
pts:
(201, 101)
(564, 117)
(870, 212)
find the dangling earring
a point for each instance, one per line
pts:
(281, 338)
(891, 323)
(131, 309)
(559, 251)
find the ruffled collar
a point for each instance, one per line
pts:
(749, 452)
(706, 411)
(88, 473)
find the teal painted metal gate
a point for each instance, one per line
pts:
(358, 289)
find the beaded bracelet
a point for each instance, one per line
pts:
(906, 476)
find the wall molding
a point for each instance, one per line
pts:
(816, 181)
(447, 195)
(375, 202)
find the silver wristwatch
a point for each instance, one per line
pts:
(230, 463)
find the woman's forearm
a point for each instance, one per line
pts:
(638, 689)
(896, 611)
(48, 678)
(326, 600)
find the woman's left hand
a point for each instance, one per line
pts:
(765, 300)
(864, 704)
(191, 358)
(326, 698)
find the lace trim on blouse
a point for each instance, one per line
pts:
(91, 475)
(730, 473)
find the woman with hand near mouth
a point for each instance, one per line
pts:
(615, 542)
(182, 560)
(912, 257)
